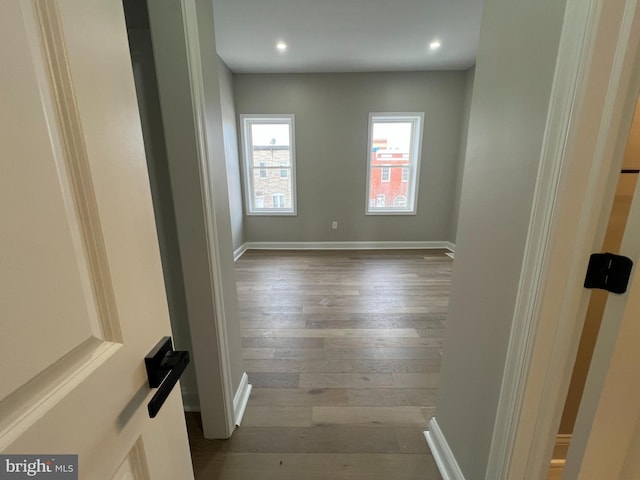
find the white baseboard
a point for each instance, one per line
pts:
(190, 400)
(451, 247)
(241, 398)
(238, 252)
(348, 245)
(442, 454)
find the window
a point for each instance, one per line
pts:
(393, 163)
(400, 201)
(278, 200)
(269, 164)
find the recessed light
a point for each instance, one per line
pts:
(281, 46)
(434, 45)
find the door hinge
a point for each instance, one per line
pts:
(609, 272)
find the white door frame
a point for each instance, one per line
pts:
(593, 100)
(220, 323)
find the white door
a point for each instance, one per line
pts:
(606, 438)
(81, 291)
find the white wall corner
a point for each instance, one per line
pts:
(241, 398)
(238, 252)
(450, 246)
(190, 400)
(442, 454)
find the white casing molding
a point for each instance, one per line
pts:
(442, 454)
(241, 398)
(418, 245)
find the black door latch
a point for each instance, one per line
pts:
(164, 368)
(609, 272)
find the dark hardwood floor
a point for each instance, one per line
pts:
(343, 351)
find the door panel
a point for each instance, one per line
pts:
(80, 278)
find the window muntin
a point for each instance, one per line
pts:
(269, 164)
(393, 162)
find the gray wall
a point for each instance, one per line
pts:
(514, 73)
(331, 122)
(462, 153)
(229, 130)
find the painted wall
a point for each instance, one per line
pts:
(462, 152)
(513, 78)
(331, 122)
(177, 107)
(230, 133)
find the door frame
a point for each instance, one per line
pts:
(593, 99)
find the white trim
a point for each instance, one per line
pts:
(238, 252)
(451, 247)
(190, 400)
(347, 245)
(194, 67)
(241, 398)
(442, 453)
(589, 94)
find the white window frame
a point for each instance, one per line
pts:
(417, 121)
(385, 178)
(246, 120)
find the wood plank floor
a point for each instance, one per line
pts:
(343, 351)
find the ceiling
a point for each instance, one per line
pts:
(346, 35)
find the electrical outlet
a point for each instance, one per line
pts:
(334, 225)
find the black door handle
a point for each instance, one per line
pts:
(164, 368)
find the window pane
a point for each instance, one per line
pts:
(392, 136)
(391, 189)
(271, 156)
(275, 191)
(270, 134)
(270, 143)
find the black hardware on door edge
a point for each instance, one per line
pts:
(164, 368)
(608, 271)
